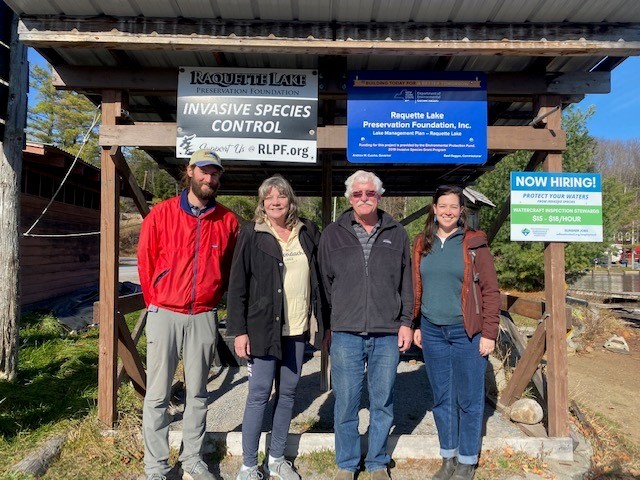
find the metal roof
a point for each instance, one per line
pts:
(547, 38)
(429, 11)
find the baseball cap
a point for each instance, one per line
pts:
(202, 158)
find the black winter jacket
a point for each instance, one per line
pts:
(255, 301)
(377, 301)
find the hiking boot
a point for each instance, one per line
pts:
(197, 471)
(253, 473)
(447, 469)
(344, 475)
(381, 474)
(281, 469)
(464, 472)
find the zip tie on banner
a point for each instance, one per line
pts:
(75, 160)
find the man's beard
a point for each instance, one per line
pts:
(202, 195)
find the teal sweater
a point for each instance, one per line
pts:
(441, 272)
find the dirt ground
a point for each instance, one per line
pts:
(609, 383)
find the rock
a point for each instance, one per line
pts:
(617, 344)
(526, 411)
(573, 344)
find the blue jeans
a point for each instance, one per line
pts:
(456, 372)
(350, 355)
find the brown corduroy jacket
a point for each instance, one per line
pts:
(480, 290)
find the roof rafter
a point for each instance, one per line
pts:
(332, 38)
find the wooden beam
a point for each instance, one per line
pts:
(163, 81)
(130, 303)
(327, 188)
(414, 216)
(332, 38)
(554, 282)
(127, 175)
(109, 246)
(526, 367)
(528, 308)
(136, 333)
(130, 358)
(150, 135)
(520, 344)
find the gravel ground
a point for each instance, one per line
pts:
(313, 411)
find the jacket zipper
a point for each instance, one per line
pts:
(195, 266)
(476, 278)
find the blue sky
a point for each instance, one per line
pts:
(617, 113)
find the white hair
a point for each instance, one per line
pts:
(362, 176)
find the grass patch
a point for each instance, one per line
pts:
(305, 424)
(90, 453)
(498, 464)
(320, 461)
(615, 455)
(56, 392)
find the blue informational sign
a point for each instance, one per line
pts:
(417, 117)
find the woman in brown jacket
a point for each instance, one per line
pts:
(456, 310)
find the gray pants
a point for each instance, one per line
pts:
(169, 333)
(262, 372)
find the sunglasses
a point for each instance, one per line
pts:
(368, 193)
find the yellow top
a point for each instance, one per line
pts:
(297, 283)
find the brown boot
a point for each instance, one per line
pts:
(381, 474)
(464, 472)
(447, 469)
(344, 475)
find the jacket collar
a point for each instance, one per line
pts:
(264, 227)
(184, 204)
(386, 220)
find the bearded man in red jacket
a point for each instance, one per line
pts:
(184, 258)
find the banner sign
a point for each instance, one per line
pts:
(556, 207)
(248, 114)
(417, 117)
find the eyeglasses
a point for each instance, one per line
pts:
(368, 193)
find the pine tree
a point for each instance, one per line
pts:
(61, 118)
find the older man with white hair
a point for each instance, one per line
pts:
(365, 265)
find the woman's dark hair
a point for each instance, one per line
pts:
(431, 226)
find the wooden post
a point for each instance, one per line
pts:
(11, 145)
(109, 248)
(554, 282)
(327, 189)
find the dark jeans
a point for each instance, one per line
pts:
(350, 354)
(456, 373)
(262, 372)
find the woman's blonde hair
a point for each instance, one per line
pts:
(284, 187)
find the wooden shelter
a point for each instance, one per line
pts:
(60, 245)
(52, 263)
(540, 56)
